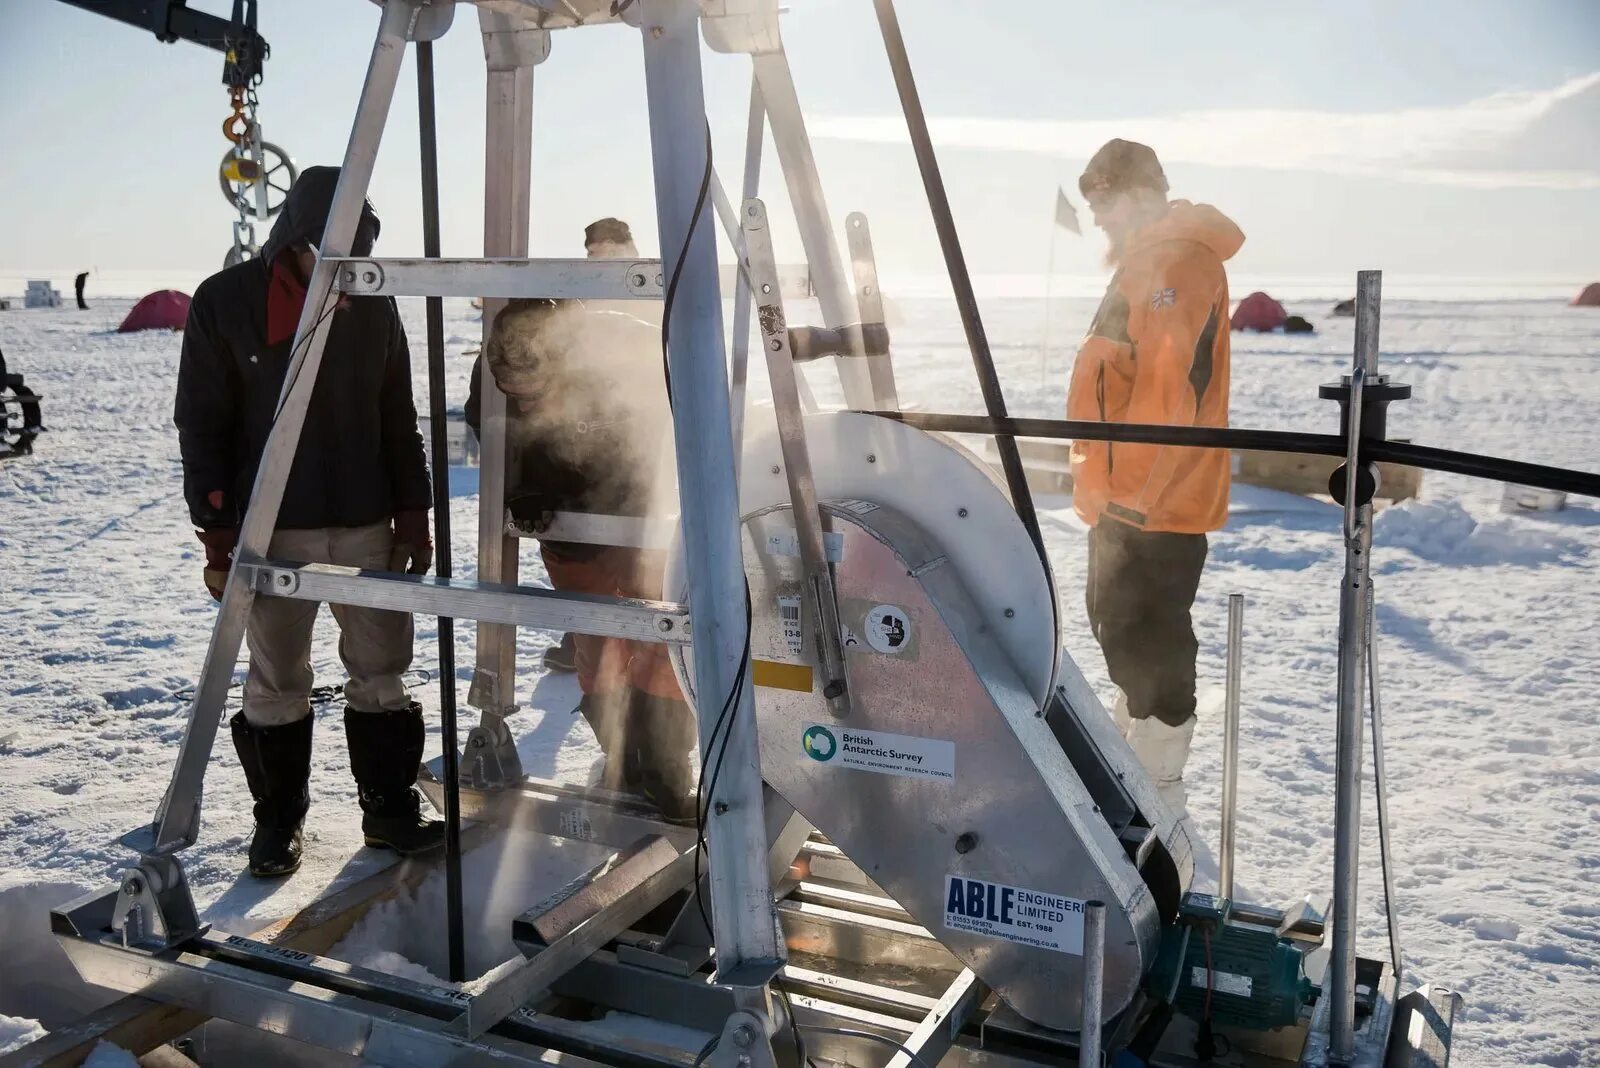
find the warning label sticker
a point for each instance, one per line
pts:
(1027, 917)
(884, 754)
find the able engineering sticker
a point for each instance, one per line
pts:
(1027, 917)
(885, 754)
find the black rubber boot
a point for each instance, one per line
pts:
(655, 764)
(607, 716)
(277, 765)
(563, 658)
(385, 753)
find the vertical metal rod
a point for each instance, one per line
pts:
(511, 52)
(741, 895)
(178, 818)
(960, 280)
(1354, 613)
(755, 128)
(1230, 746)
(1094, 976)
(809, 521)
(834, 293)
(428, 140)
(1380, 789)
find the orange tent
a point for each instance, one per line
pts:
(1589, 298)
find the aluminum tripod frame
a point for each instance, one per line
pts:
(746, 929)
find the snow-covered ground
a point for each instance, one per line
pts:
(1489, 659)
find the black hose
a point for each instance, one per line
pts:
(1449, 461)
(441, 518)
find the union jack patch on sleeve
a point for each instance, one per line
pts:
(1163, 298)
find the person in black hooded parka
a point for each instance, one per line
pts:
(358, 495)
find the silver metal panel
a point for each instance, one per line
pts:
(944, 490)
(583, 279)
(1012, 787)
(526, 606)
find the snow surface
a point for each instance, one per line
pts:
(1489, 660)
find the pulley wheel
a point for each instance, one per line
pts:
(238, 182)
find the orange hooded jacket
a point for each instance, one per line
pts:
(1157, 352)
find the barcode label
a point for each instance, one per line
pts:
(793, 635)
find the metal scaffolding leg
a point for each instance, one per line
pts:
(1355, 596)
(834, 291)
(748, 947)
(178, 818)
(511, 50)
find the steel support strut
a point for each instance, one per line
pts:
(748, 947)
(511, 50)
(178, 818)
(1355, 608)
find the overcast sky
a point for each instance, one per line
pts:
(1457, 139)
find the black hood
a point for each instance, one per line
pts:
(305, 216)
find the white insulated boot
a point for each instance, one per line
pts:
(1121, 718)
(1163, 751)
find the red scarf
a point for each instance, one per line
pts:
(286, 297)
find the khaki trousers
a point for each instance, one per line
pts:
(375, 645)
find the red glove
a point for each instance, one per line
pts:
(219, 543)
(413, 545)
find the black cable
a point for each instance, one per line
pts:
(677, 267)
(283, 398)
(794, 1025)
(702, 790)
(849, 1032)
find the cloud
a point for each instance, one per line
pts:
(1542, 139)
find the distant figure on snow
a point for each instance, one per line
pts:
(77, 288)
(358, 495)
(1157, 352)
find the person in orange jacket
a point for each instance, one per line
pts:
(1156, 352)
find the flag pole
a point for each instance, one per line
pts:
(1049, 283)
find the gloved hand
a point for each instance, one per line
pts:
(413, 546)
(534, 509)
(219, 543)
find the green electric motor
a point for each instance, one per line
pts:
(1255, 976)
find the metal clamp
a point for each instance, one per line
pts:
(154, 909)
(359, 277)
(269, 581)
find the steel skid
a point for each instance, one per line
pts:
(848, 917)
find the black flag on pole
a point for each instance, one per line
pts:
(1066, 214)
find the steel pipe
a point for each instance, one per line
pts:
(1230, 746)
(1354, 612)
(1094, 969)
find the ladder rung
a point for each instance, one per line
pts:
(581, 279)
(490, 602)
(594, 528)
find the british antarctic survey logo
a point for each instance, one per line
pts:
(819, 743)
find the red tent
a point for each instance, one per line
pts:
(1589, 298)
(1258, 312)
(165, 309)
